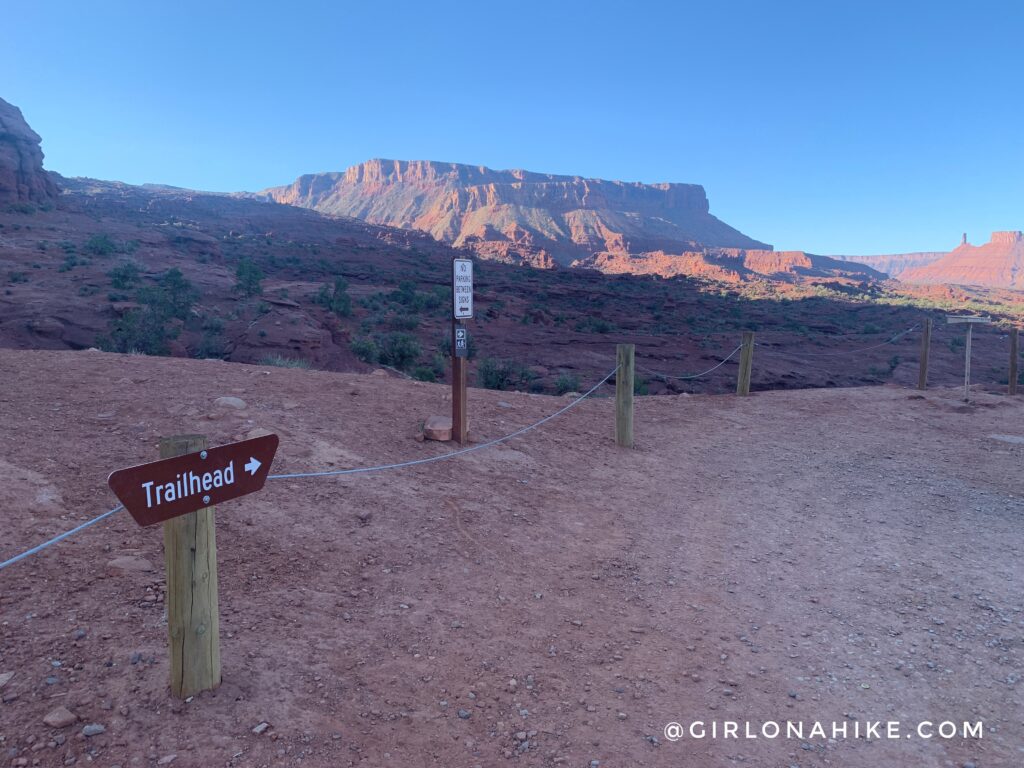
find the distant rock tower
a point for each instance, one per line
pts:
(964, 241)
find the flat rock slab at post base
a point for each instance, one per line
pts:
(193, 612)
(438, 428)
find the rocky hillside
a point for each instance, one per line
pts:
(519, 216)
(999, 263)
(22, 178)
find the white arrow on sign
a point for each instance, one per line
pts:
(253, 466)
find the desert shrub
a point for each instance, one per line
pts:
(149, 329)
(404, 322)
(433, 371)
(17, 277)
(640, 386)
(567, 382)
(248, 278)
(279, 361)
(399, 350)
(124, 276)
(365, 349)
(337, 300)
(504, 374)
(100, 245)
(171, 297)
(594, 325)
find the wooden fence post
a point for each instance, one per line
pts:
(460, 411)
(926, 342)
(193, 617)
(746, 364)
(624, 395)
(1014, 358)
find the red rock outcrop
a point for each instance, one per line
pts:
(733, 265)
(22, 178)
(519, 216)
(999, 263)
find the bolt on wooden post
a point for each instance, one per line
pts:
(624, 378)
(926, 343)
(1014, 360)
(193, 615)
(746, 364)
(462, 308)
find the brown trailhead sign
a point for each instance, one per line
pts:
(168, 488)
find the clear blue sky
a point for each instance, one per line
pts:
(855, 127)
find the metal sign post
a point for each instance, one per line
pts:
(970, 322)
(462, 309)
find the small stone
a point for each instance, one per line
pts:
(260, 728)
(503, 404)
(93, 729)
(78, 634)
(166, 759)
(364, 516)
(61, 717)
(465, 714)
(438, 428)
(5, 678)
(230, 402)
(130, 563)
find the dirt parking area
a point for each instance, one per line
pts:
(845, 555)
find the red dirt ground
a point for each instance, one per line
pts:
(811, 555)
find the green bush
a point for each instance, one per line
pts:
(248, 278)
(365, 349)
(149, 329)
(337, 301)
(17, 277)
(100, 245)
(504, 374)
(124, 276)
(567, 382)
(399, 350)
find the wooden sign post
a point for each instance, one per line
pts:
(970, 322)
(624, 378)
(180, 491)
(1014, 359)
(193, 611)
(746, 364)
(926, 343)
(462, 309)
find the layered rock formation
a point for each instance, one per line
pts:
(999, 263)
(22, 178)
(735, 265)
(519, 216)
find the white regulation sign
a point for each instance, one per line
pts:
(462, 288)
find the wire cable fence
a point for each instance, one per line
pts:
(844, 352)
(488, 444)
(331, 473)
(726, 359)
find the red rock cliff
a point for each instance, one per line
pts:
(22, 178)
